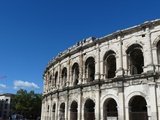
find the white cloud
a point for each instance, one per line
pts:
(24, 84)
(3, 86)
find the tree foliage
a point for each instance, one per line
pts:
(27, 103)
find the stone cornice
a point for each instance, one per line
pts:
(116, 82)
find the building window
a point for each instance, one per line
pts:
(6, 106)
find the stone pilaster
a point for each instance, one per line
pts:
(127, 111)
(97, 63)
(79, 104)
(153, 100)
(148, 57)
(125, 64)
(68, 72)
(97, 105)
(66, 107)
(59, 75)
(121, 112)
(57, 107)
(119, 62)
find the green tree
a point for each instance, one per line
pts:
(27, 103)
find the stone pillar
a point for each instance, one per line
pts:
(68, 72)
(61, 81)
(127, 111)
(97, 63)
(66, 109)
(148, 57)
(102, 114)
(42, 109)
(74, 72)
(45, 108)
(121, 112)
(57, 107)
(79, 104)
(149, 112)
(44, 87)
(51, 83)
(71, 78)
(155, 60)
(59, 75)
(101, 69)
(97, 105)
(84, 73)
(47, 86)
(80, 68)
(119, 63)
(69, 113)
(125, 64)
(158, 100)
(153, 99)
(83, 113)
(50, 107)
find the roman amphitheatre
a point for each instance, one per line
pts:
(115, 77)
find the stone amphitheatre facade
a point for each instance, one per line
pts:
(115, 77)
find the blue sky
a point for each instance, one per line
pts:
(34, 31)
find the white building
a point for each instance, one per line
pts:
(5, 105)
(115, 77)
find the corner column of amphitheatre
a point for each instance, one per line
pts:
(148, 57)
(97, 72)
(119, 63)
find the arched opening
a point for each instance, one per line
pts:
(48, 108)
(158, 52)
(135, 59)
(89, 110)
(62, 111)
(64, 76)
(138, 108)
(50, 81)
(75, 73)
(53, 112)
(110, 110)
(90, 69)
(73, 111)
(56, 79)
(109, 64)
